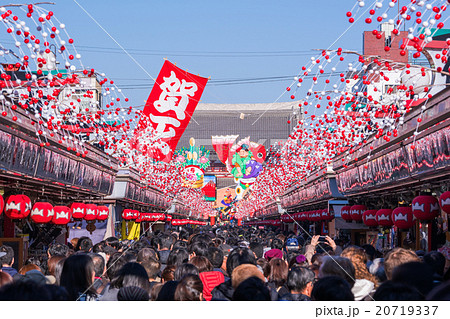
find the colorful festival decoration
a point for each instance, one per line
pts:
(170, 106)
(425, 207)
(403, 217)
(103, 213)
(62, 215)
(369, 218)
(194, 161)
(444, 202)
(356, 212)
(42, 213)
(345, 213)
(78, 210)
(18, 206)
(91, 212)
(384, 217)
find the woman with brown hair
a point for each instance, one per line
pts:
(365, 282)
(202, 263)
(190, 288)
(278, 275)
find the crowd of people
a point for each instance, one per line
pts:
(224, 264)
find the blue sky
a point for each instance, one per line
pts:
(224, 40)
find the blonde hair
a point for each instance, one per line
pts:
(358, 257)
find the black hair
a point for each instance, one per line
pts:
(23, 290)
(115, 262)
(239, 256)
(338, 266)
(397, 291)
(57, 249)
(257, 248)
(277, 244)
(180, 244)
(131, 274)
(76, 276)
(113, 242)
(183, 235)
(251, 289)
(436, 260)
(165, 241)
(84, 244)
(190, 288)
(8, 258)
(99, 264)
(440, 293)
(215, 256)
(167, 292)
(200, 248)
(417, 274)
(178, 257)
(332, 288)
(298, 278)
(184, 270)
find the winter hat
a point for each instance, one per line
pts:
(273, 253)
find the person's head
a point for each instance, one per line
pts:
(417, 274)
(300, 280)
(257, 248)
(278, 271)
(183, 235)
(292, 244)
(113, 242)
(167, 292)
(51, 264)
(58, 270)
(396, 257)
(155, 291)
(114, 264)
(145, 254)
(178, 257)
(190, 288)
(297, 260)
(251, 289)
(165, 242)
(338, 266)
(202, 263)
(132, 293)
(6, 260)
(239, 256)
(77, 275)
(198, 248)
(57, 249)
(131, 274)
(152, 267)
(5, 278)
(215, 256)
(84, 244)
(29, 267)
(184, 270)
(370, 251)
(99, 264)
(276, 244)
(436, 260)
(23, 290)
(168, 274)
(358, 257)
(332, 288)
(180, 244)
(265, 266)
(244, 271)
(397, 291)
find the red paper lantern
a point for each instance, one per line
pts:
(403, 217)
(168, 218)
(18, 206)
(128, 214)
(78, 210)
(42, 213)
(327, 215)
(303, 216)
(136, 214)
(369, 218)
(425, 207)
(62, 215)
(345, 213)
(103, 213)
(384, 217)
(356, 212)
(444, 202)
(91, 212)
(2, 204)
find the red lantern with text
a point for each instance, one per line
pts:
(91, 212)
(384, 217)
(128, 214)
(356, 212)
(425, 207)
(136, 214)
(78, 210)
(369, 218)
(403, 217)
(327, 214)
(18, 206)
(42, 213)
(444, 202)
(345, 213)
(2, 204)
(62, 215)
(103, 213)
(168, 218)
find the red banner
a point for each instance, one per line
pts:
(170, 106)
